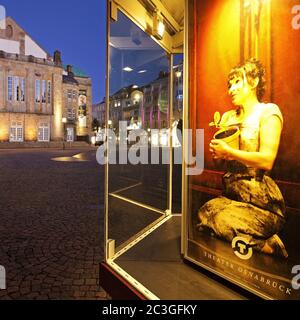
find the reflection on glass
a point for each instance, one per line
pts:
(139, 97)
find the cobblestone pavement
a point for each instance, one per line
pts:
(51, 229)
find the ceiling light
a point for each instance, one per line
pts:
(158, 26)
(178, 74)
(127, 69)
(142, 71)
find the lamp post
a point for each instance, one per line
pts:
(64, 121)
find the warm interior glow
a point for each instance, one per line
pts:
(31, 134)
(3, 136)
(161, 28)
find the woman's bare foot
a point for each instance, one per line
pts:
(275, 246)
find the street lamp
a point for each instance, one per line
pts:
(64, 121)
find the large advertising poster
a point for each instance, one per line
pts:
(244, 91)
(82, 109)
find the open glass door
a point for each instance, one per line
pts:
(138, 118)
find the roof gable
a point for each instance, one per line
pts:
(14, 39)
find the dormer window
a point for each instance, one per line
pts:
(9, 31)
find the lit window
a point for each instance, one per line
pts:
(16, 132)
(43, 132)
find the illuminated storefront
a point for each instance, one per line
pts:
(240, 211)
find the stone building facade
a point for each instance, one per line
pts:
(35, 91)
(147, 106)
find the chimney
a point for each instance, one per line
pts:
(57, 58)
(70, 70)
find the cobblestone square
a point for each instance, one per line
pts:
(51, 230)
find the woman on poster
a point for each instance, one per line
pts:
(252, 205)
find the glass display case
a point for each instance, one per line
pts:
(201, 150)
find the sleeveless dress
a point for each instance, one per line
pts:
(252, 205)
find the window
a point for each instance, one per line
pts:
(71, 114)
(69, 95)
(43, 134)
(70, 134)
(16, 89)
(43, 91)
(9, 31)
(49, 92)
(9, 88)
(22, 89)
(16, 132)
(37, 91)
(75, 95)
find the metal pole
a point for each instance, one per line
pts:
(64, 136)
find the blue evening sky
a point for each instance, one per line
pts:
(77, 28)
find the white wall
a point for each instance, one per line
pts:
(31, 48)
(10, 46)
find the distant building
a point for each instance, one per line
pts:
(37, 92)
(145, 107)
(99, 113)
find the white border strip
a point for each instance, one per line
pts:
(142, 289)
(138, 203)
(141, 237)
(126, 188)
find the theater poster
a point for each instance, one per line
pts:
(243, 210)
(82, 109)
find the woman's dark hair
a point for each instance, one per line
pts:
(252, 69)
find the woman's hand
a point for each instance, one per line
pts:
(219, 149)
